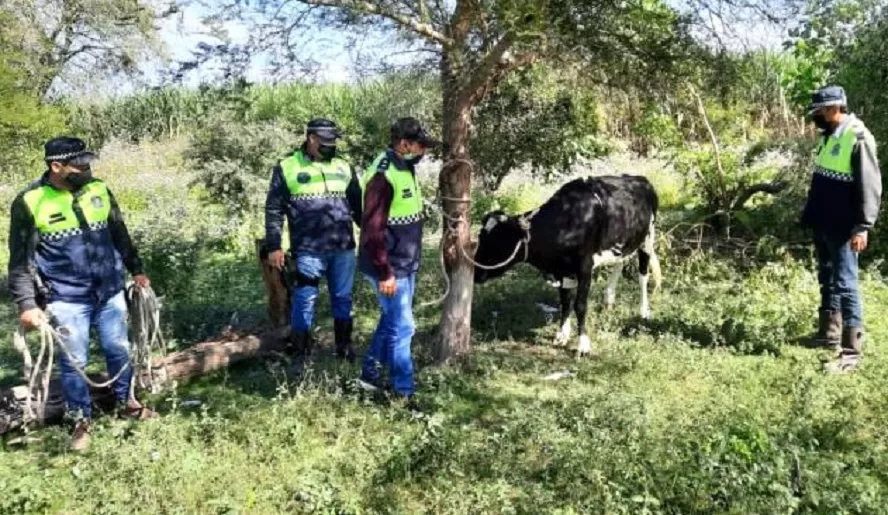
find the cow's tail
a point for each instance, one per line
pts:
(649, 249)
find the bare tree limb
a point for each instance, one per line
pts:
(715, 145)
(496, 64)
(772, 188)
(423, 29)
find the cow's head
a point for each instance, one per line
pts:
(500, 235)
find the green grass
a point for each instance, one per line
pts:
(686, 414)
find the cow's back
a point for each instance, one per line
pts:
(590, 215)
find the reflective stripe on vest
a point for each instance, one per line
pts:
(54, 214)
(834, 155)
(307, 179)
(406, 205)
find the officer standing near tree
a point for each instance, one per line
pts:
(391, 251)
(67, 231)
(310, 188)
(843, 205)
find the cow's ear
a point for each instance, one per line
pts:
(502, 217)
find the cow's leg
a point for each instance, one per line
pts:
(580, 306)
(610, 294)
(563, 336)
(644, 262)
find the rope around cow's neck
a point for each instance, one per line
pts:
(453, 226)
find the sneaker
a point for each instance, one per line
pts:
(133, 410)
(410, 404)
(81, 436)
(368, 385)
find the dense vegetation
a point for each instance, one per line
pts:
(713, 406)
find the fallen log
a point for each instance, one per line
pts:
(177, 367)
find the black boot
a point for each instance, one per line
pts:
(829, 333)
(852, 352)
(300, 344)
(342, 331)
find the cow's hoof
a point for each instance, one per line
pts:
(584, 347)
(646, 314)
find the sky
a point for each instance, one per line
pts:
(183, 32)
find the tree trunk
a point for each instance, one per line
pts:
(276, 289)
(455, 182)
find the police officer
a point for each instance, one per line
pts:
(310, 188)
(67, 232)
(843, 204)
(391, 250)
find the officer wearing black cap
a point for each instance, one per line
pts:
(310, 188)
(843, 205)
(391, 251)
(67, 233)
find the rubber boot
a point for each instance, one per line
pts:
(829, 332)
(300, 344)
(342, 334)
(851, 352)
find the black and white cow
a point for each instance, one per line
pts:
(587, 223)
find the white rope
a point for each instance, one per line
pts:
(147, 337)
(453, 225)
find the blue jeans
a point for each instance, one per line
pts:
(339, 270)
(391, 341)
(109, 320)
(837, 274)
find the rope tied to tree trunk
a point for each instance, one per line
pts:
(452, 226)
(145, 315)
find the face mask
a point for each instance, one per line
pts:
(327, 152)
(821, 122)
(77, 180)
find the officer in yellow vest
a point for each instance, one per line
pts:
(68, 235)
(310, 188)
(391, 251)
(843, 205)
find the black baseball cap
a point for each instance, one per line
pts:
(410, 129)
(68, 150)
(828, 96)
(326, 131)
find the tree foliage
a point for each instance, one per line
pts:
(75, 40)
(25, 123)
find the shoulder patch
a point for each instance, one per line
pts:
(383, 165)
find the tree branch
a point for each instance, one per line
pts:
(366, 7)
(715, 145)
(772, 188)
(495, 65)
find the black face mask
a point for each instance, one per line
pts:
(78, 180)
(821, 122)
(326, 152)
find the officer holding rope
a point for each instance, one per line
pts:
(68, 234)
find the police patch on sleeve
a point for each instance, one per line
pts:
(303, 178)
(96, 202)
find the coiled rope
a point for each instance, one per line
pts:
(147, 337)
(144, 309)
